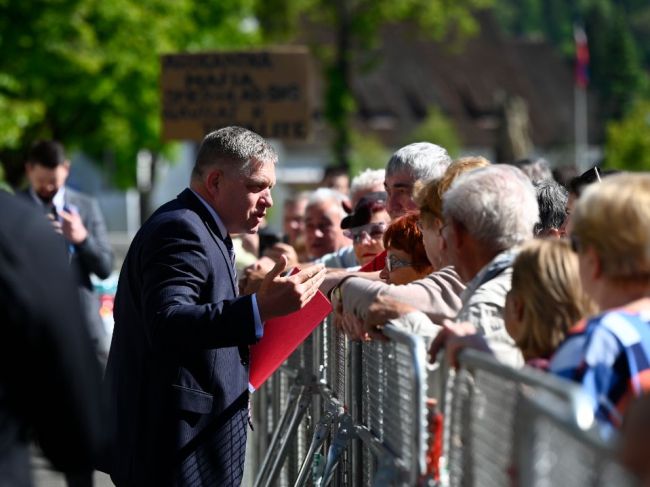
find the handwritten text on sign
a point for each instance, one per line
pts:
(267, 92)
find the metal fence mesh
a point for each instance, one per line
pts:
(562, 458)
(388, 394)
(457, 438)
(493, 437)
(492, 409)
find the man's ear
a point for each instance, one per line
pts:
(213, 181)
(458, 237)
(66, 167)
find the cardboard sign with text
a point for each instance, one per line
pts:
(267, 91)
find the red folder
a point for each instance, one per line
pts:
(282, 336)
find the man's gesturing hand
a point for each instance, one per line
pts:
(279, 296)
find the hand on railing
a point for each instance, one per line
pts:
(455, 337)
(352, 326)
(345, 321)
(381, 311)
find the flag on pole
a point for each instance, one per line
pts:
(582, 57)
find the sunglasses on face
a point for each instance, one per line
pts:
(393, 263)
(374, 231)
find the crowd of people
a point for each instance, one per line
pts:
(465, 253)
(501, 258)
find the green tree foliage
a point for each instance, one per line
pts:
(619, 40)
(616, 69)
(86, 71)
(438, 129)
(628, 140)
(367, 152)
(355, 25)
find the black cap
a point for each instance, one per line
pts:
(369, 204)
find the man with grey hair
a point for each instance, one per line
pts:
(420, 161)
(487, 214)
(323, 233)
(177, 373)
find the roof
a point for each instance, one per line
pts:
(409, 73)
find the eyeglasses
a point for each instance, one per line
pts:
(374, 231)
(393, 262)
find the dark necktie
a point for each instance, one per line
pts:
(231, 254)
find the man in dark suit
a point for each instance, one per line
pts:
(49, 378)
(177, 371)
(77, 217)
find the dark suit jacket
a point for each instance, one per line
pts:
(49, 378)
(177, 372)
(93, 256)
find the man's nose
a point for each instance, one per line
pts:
(319, 233)
(268, 199)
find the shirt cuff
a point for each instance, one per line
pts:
(259, 329)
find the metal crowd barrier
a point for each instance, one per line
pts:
(354, 413)
(554, 451)
(348, 413)
(503, 425)
(394, 415)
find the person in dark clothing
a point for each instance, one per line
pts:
(49, 377)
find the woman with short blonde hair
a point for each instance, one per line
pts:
(616, 224)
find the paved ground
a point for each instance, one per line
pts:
(45, 477)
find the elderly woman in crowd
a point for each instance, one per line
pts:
(608, 354)
(406, 257)
(366, 225)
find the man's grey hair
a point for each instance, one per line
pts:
(233, 148)
(496, 205)
(367, 179)
(552, 200)
(422, 160)
(323, 195)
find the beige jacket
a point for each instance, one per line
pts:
(436, 295)
(484, 302)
